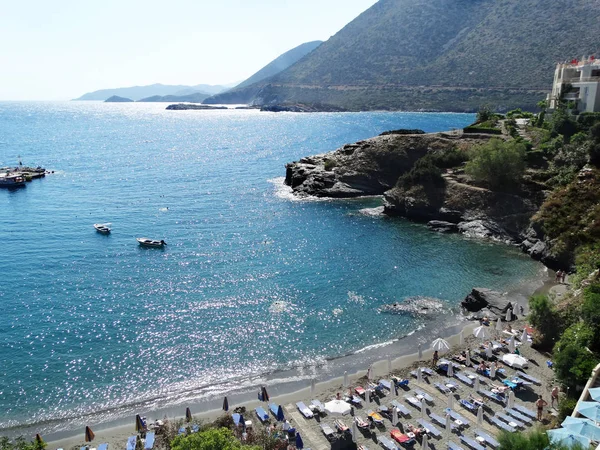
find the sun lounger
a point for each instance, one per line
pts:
(360, 391)
(304, 410)
(83, 448)
(453, 446)
(401, 408)
(149, 444)
(318, 406)
(488, 439)
(375, 417)
(428, 398)
(132, 441)
(429, 427)
(413, 401)
(489, 394)
(465, 379)
(442, 388)
(471, 443)
(386, 443)
(438, 419)
(327, 430)
(502, 425)
(355, 400)
(522, 417)
(510, 420)
(468, 405)
(528, 377)
(195, 428)
(236, 419)
(360, 422)
(457, 416)
(261, 414)
(360, 447)
(400, 382)
(428, 371)
(402, 438)
(273, 408)
(341, 426)
(451, 384)
(386, 384)
(526, 411)
(103, 446)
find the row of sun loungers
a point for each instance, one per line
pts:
(471, 443)
(488, 439)
(428, 398)
(526, 411)
(429, 427)
(502, 425)
(523, 418)
(453, 446)
(510, 420)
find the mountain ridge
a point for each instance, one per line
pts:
(139, 92)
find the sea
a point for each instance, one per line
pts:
(255, 287)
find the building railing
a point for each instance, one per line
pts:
(580, 80)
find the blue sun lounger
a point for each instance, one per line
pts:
(149, 444)
(492, 396)
(304, 410)
(526, 411)
(262, 414)
(453, 446)
(457, 416)
(181, 431)
(401, 408)
(471, 443)
(386, 384)
(489, 439)
(464, 379)
(502, 425)
(400, 382)
(510, 420)
(522, 417)
(468, 405)
(432, 429)
(442, 388)
(528, 377)
(273, 408)
(131, 442)
(236, 419)
(103, 446)
(438, 419)
(428, 398)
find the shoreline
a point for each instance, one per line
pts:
(116, 433)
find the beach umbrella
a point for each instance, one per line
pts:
(39, 440)
(480, 332)
(265, 394)
(423, 409)
(420, 352)
(450, 401)
(591, 410)
(299, 443)
(514, 360)
(499, 325)
(524, 337)
(448, 425)
(595, 393)
(566, 437)
(512, 344)
(188, 414)
(477, 387)
(225, 404)
(480, 416)
(450, 371)
(354, 432)
(586, 429)
(139, 424)
(242, 421)
(508, 316)
(313, 387)
(461, 337)
(280, 416)
(570, 419)
(511, 400)
(440, 345)
(394, 416)
(515, 308)
(89, 434)
(337, 408)
(468, 358)
(488, 351)
(346, 378)
(370, 373)
(419, 375)
(493, 371)
(424, 444)
(368, 396)
(389, 361)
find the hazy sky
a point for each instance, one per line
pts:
(60, 49)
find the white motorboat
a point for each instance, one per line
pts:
(102, 228)
(145, 242)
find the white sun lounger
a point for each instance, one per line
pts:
(413, 401)
(131, 442)
(386, 443)
(428, 398)
(464, 379)
(471, 443)
(401, 408)
(526, 411)
(304, 410)
(457, 416)
(522, 417)
(432, 429)
(438, 419)
(453, 446)
(528, 377)
(489, 439)
(327, 430)
(502, 425)
(318, 406)
(442, 388)
(149, 444)
(510, 420)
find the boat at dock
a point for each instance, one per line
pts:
(11, 180)
(153, 243)
(103, 228)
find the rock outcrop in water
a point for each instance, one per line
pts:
(487, 303)
(416, 306)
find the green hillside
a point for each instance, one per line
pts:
(440, 54)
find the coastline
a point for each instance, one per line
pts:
(116, 433)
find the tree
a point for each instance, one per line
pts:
(484, 114)
(536, 439)
(497, 163)
(544, 318)
(573, 360)
(590, 311)
(211, 439)
(542, 104)
(562, 123)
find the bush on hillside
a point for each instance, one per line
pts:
(535, 439)
(497, 164)
(562, 123)
(211, 439)
(573, 364)
(424, 171)
(565, 408)
(20, 443)
(590, 311)
(545, 319)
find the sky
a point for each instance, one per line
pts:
(61, 49)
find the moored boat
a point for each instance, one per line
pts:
(145, 242)
(11, 180)
(102, 228)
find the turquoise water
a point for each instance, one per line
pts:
(251, 282)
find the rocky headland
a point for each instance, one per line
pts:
(117, 99)
(186, 106)
(383, 165)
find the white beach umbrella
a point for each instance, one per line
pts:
(493, 372)
(499, 324)
(480, 416)
(508, 317)
(419, 375)
(423, 409)
(394, 391)
(448, 425)
(354, 432)
(394, 416)
(441, 345)
(461, 337)
(514, 360)
(468, 358)
(515, 308)
(488, 351)
(477, 387)
(368, 396)
(511, 344)
(481, 332)
(346, 384)
(337, 408)
(420, 352)
(524, 337)
(313, 387)
(389, 361)
(370, 373)
(450, 371)
(451, 401)
(424, 444)
(511, 400)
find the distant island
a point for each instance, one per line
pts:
(196, 97)
(185, 106)
(137, 93)
(117, 99)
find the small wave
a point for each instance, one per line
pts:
(279, 306)
(353, 297)
(374, 346)
(337, 311)
(285, 192)
(372, 212)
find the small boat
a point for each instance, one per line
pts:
(102, 228)
(9, 180)
(145, 242)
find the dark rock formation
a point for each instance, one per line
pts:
(298, 107)
(185, 106)
(402, 131)
(442, 226)
(489, 303)
(117, 99)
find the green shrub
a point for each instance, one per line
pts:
(330, 164)
(586, 120)
(211, 439)
(449, 158)
(590, 312)
(573, 360)
(535, 439)
(497, 164)
(562, 123)
(587, 259)
(485, 113)
(545, 319)
(424, 171)
(566, 407)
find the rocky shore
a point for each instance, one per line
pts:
(186, 106)
(374, 167)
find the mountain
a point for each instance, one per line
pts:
(196, 97)
(438, 55)
(139, 92)
(117, 99)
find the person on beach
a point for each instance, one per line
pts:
(554, 395)
(558, 276)
(540, 403)
(562, 276)
(436, 356)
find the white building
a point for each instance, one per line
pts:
(578, 82)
